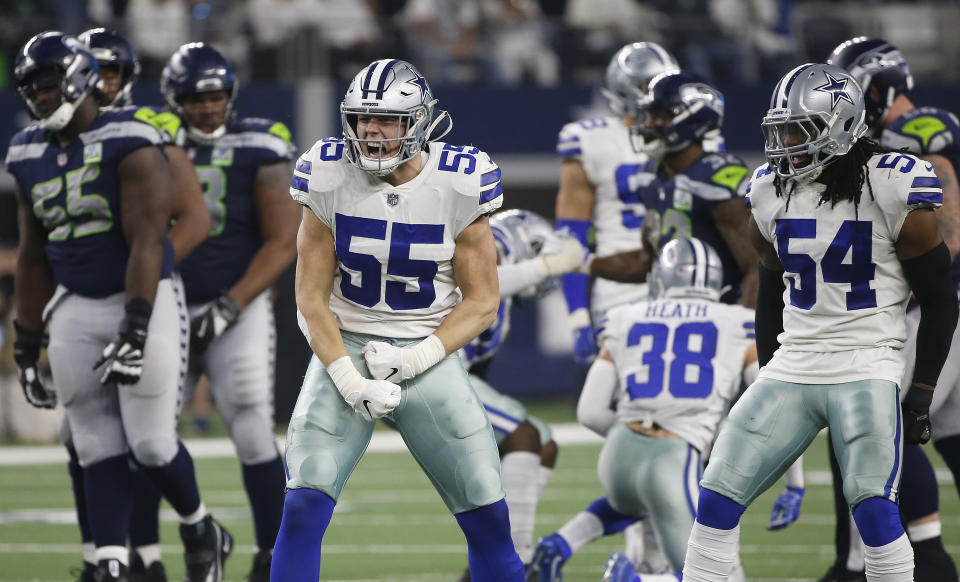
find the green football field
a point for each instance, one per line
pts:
(391, 525)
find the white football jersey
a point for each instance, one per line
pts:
(846, 293)
(602, 145)
(679, 362)
(395, 244)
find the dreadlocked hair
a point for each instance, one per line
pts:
(844, 175)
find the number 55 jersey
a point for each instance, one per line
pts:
(846, 293)
(395, 244)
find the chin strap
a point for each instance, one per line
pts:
(204, 138)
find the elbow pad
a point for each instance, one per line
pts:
(769, 313)
(929, 278)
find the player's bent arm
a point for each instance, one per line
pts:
(575, 197)
(188, 210)
(625, 267)
(34, 283)
(926, 266)
(594, 409)
(948, 215)
(770, 287)
(278, 214)
(731, 217)
(316, 266)
(145, 195)
(475, 270)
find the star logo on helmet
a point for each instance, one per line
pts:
(837, 88)
(421, 82)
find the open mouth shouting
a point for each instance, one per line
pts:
(381, 149)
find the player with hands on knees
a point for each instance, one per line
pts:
(395, 256)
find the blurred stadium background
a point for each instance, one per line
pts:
(511, 72)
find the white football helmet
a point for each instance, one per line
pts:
(687, 267)
(391, 88)
(521, 235)
(630, 71)
(816, 114)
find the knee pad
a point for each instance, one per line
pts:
(154, 452)
(480, 481)
(878, 520)
(251, 429)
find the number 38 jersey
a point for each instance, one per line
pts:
(227, 171)
(75, 194)
(395, 244)
(846, 293)
(679, 362)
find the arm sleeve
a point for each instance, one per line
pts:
(929, 278)
(576, 286)
(593, 408)
(769, 322)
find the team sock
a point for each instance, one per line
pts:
(296, 555)
(712, 554)
(118, 553)
(543, 478)
(949, 449)
(489, 546)
(177, 481)
(891, 562)
(149, 553)
(518, 470)
(919, 494)
(108, 488)
(79, 497)
(145, 519)
(265, 483)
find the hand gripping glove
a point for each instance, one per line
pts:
(26, 351)
(388, 362)
(210, 323)
(568, 257)
(916, 415)
(122, 359)
(786, 509)
(371, 399)
(584, 337)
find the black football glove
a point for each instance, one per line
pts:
(122, 359)
(26, 351)
(916, 415)
(210, 323)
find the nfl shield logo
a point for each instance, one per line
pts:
(61, 159)
(393, 198)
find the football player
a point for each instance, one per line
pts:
(687, 190)
(119, 69)
(530, 255)
(90, 264)
(830, 330)
(598, 188)
(672, 363)
(934, 135)
(396, 271)
(244, 166)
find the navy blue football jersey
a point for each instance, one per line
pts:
(75, 194)
(227, 171)
(681, 206)
(927, 130)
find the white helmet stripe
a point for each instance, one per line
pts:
(783, 87)
(700, 272)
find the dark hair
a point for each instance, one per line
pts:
(844, 176)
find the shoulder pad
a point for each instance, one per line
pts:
(761, 175)
(716, 176)
(914, 182)
(923, 130)
(323, 165)
(168, 124)
(568, 142)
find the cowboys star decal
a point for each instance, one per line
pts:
(837, 88)
(419, 82)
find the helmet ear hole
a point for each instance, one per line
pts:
(848, 124)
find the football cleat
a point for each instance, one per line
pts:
(138, 572)
(84, 574)
(618, 569)
(838, 573)
(206, 546)
(110, 570)
(549, 557)
(260, 571)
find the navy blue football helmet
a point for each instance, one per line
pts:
(112, 50)
(195, 68)
(874, 62)
(54, 59)
(690, 106)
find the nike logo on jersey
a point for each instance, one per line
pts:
(392, 372)
(366, 404)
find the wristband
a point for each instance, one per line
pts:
(345, 376)
(427, 353)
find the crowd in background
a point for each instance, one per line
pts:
(542, 42)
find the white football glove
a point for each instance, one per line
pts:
(567, 258)
(388, 362)
(371, 399)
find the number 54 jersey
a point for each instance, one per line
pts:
(846, 293)
(395, 244)
(679, 362)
